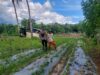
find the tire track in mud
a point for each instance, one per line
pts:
(80, 64)
(58, 68)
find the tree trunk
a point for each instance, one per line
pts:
(16, 16)
(30, 23)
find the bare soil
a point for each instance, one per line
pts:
(58, 68)
(97, 62)
(75, 35)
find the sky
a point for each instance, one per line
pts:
(43, 11)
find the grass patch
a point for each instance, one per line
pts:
(14, 45)
(70, 53)
(91, 48)
(21, 64)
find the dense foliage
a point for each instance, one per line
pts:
(10, 29)
(91, 10)
(55, 27)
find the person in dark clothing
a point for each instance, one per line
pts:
(43, 37)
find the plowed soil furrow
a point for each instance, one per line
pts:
(58, 68)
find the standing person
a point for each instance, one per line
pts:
(51, 42)
(43, 38)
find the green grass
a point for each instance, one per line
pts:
(14, 45)
(20, 64)
(41, 71)
(70, 53)
(70, 44)
(91, 48)
(11, 46)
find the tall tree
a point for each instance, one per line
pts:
(91, 9)
(13, 2)
(30, 20)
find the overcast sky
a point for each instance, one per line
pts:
(46, 11)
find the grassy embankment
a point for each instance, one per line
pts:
(93, 50)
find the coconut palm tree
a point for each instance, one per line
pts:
(30, 23)
(30, 20)
(13, 2)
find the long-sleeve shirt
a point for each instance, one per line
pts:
(43, 35)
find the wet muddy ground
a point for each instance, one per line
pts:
(97, 62)
(79, 63)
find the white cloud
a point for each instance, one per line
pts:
(42, 13)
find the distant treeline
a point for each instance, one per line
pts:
(55, 27)
(10, 29)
